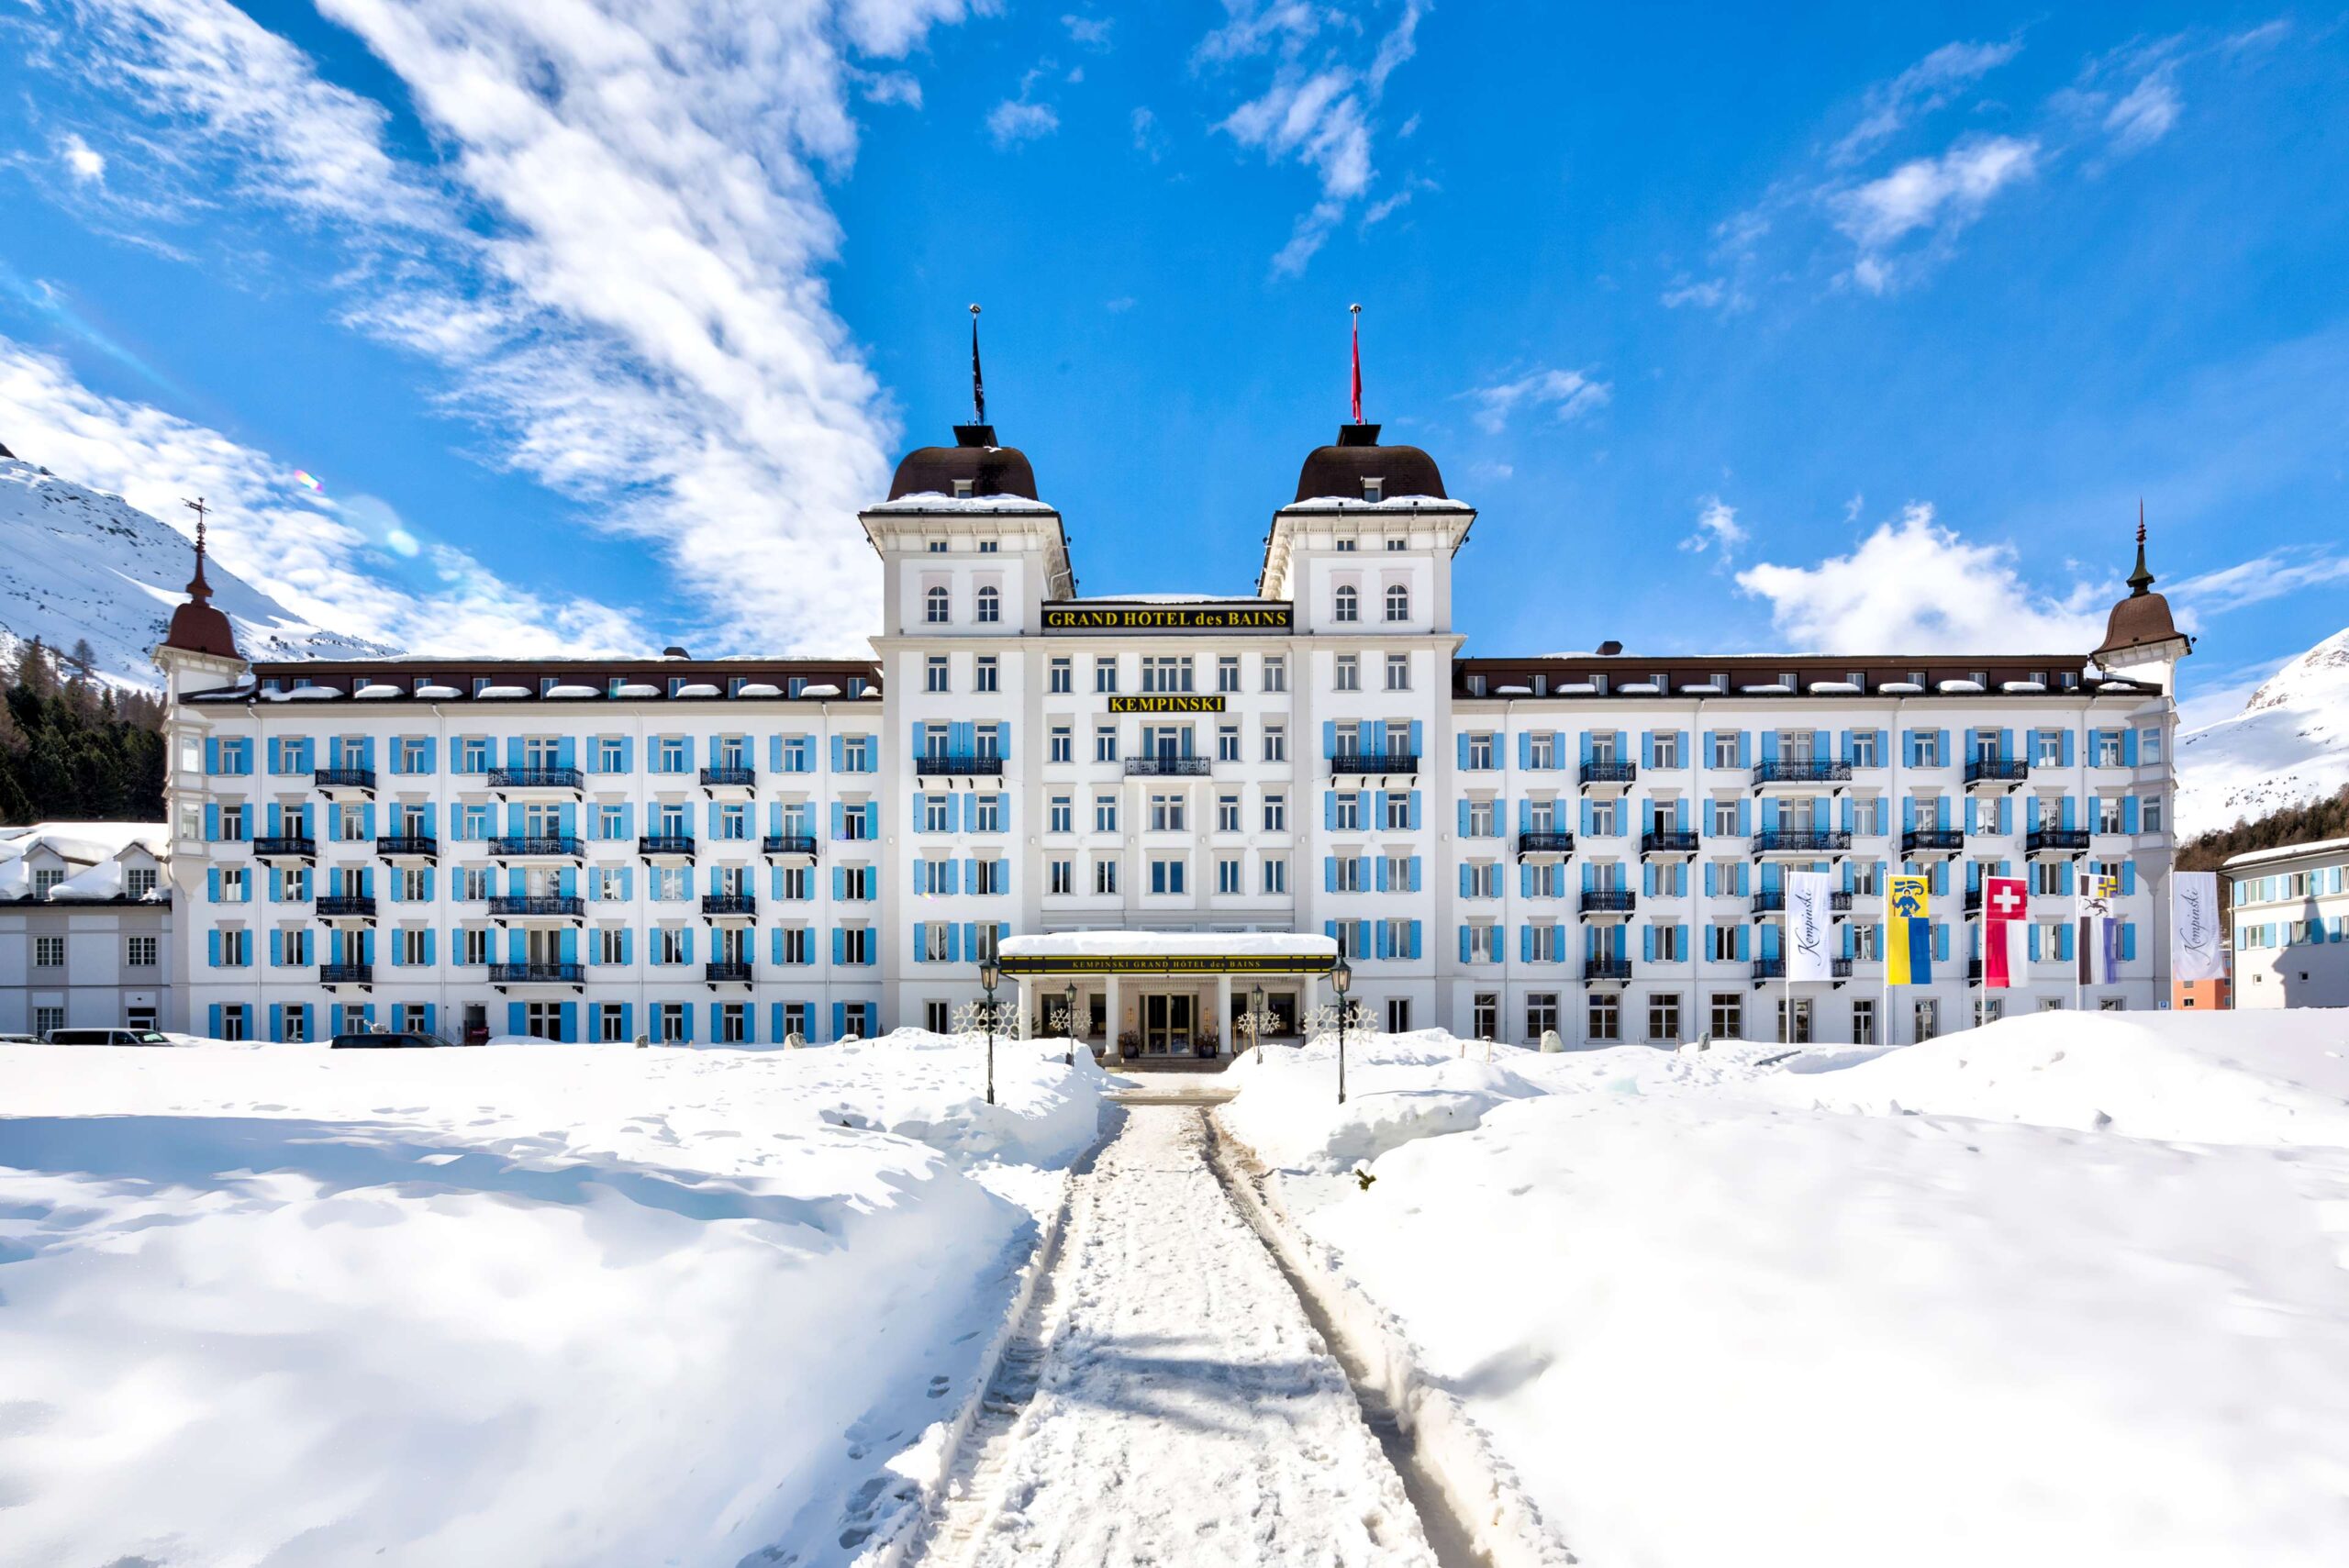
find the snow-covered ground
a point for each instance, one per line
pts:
(2060, 1291)
(514, 1304)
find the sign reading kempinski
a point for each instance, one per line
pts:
(1167, 617)
(1212, 703)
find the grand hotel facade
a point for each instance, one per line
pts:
(742, 848)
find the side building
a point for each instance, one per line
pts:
(85, 928)
(739, 849)
(2288, 926)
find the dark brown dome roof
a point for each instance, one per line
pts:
(1337, 472)
(991, 470)
(197, 626)
(2137, 620)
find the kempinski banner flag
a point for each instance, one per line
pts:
(2098, 942)
(1811, 923)
(1908, 934)
(2005, 928)
(2197, 943)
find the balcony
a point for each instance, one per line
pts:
(1932, 842)
(1668, 841)
(331, 780)
(346, 906)
(1997, 771)
(1607, 969)
(1775, 903)
(1168, 767)
(538, 846)
(1544, 843)
(665, 846)
(524, 779)
(786, 844)
(958, 763)
(1380, 762)
(360, 975)
(504, 974)
(523, 905)
(735, 778)
(408, 847)
(1839, 969)
(285, 847)
(1607, 901)
(1800, 771)
(1802, 841)
(727, 971)
(2056, 841)
(1609, 773)
(735, 905)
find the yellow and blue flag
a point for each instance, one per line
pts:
(1908, 933)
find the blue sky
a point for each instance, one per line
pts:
(1855, 330)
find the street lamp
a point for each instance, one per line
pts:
(1256, 1020)
(1069, 1022)
(1342, 980)
(990, 973)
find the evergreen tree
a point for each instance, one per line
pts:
(74, 752)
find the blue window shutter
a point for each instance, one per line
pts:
(1413, 822)
(2071, 812)
(2127, 877)
(2129, 939)
(839, 944)
(216, 1020)
(2066, 744)
(1462, 740)
(212, 939)
(1417, 729)
(921, 940)
(1769, 746)
(1464, 944)
(1330, 809)
(1385, 948)
(839, 826)
(1413, 930)
(1373, 737)
(276, 949)
(1586, 816)
(1415, 873)
(1463, 880)
(211, 822)
(1329, 738)
(1464, 818)
(1525, 945)
(1329, 874)
(212, 884)
(2129, 812)
(1525, 748)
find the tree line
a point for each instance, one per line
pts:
(72, 748)
(2307, 823)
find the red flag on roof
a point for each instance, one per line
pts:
(1357, 315)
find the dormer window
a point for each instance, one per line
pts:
(963, 489)
(1373, 490)
(990, 546)
(1346, 544)
(938, 547)
(1394, 544)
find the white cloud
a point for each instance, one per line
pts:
(1704, 294)
(1938, 195)
(1925, 86)
(2146, 114)
(618, 255)
(1717, 530)
(1148, 139)
(1091, 31)
(2268, 576)
(1569, 394)
(1012, 122)
(1913, 586)
(325, 560)
(83, 161)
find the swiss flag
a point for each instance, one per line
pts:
(2006, 921)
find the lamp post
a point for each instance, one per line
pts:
(1256, 1019)
(1070, 996)
(988, 974)
(1341, 979)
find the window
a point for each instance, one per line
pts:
(1060, 815)
(1105, 814)
(1670, 942)
(1105, 744)
(1227, 672)
(1275, 873)
(1727, 1018)
(1105, 673)
(1060, 876)
(1226, 743)
(1863, 753)
(1480, 753)
(1275, 814)
(1105, 875)
(1483, 944)
(1275, 743)
(1725, 747)
(1348, 544)
(1541, 750)
(1864, 1023)
(1166, 813)
(986, 681)
(1484, 880)
(139, 952)
(668, 1022)
(1345, 813)
(1725, 819)
(1663, 1017)
(49, 952)
(2149, 815)
(1666, 748)
(1346, 873)
(799, 945)
(990, 606)
(936, 936)
(474, 943)
(1227, 814)
(1349, 673)
(1929, 1019)
(1398, 672)
(1482, 818)
(934, 606)
(1606, 1015)
(233, 1020)
(1541, 1013)
(1348, 605)
(1485, 1014)
(986, 813)
(1399, 1015)
(1060, 682)
(1167, 876)
(1275, 672)
(1227, 874)
(611, 1026)
(612, 944)
(2149, 748)
(934, 673)
(1399, 811)
(1398, 603)
(1929, 747)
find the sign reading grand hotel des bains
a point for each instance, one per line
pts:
(1259, 616)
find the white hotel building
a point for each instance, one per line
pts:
(719, 848)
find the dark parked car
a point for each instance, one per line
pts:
(108, 1036)
(395, 1040)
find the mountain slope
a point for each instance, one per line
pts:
(76, 563)
(2288, 745)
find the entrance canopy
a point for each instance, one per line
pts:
(1168, 952)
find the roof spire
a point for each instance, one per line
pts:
(978, 387)
(197, 588)
(2141, 580)
(1356, 311)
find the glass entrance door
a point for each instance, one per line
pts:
(1165, 1024)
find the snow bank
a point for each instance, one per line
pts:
(569, 1305)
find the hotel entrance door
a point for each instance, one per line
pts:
(1165, 1024)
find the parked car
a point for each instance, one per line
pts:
(20, 1040)
(107, 1037)
(390, 1040)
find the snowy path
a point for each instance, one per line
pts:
(1169, 1403)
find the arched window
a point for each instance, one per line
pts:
(1398, 603)
(990, 604)
(1348, 605)
(934, 606)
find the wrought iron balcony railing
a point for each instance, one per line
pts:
(2056, 841)
(720, 971)
(342, 778)
(1802, 841)
(1776, 968)
(538, 974)
(651, 844)
(534, 845)
(1932, 842)
(728, 904)
(1997, 769)
(1169, 767)
(1775, 903)
(345, 975)
(1668, 841)
(1546, 842)
(958, 763)
(1607, 969)
(538, 904)
(790, 844)
(282, 846)
(746, 778)
(1608, 901)
(1809, 769)
(1610, 772)
(408, 846)
(330, 904)
(538, 778)
(1375, 763)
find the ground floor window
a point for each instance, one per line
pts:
(411, 1019)
(140, 1018)
(1540, 1014)
(669, 1022)
(1606, 1017)
(543, 1020)
(2050, 1004)
(1989, 1009)
(1485, 1015)
(733, 1023)
(232, 1022)
(47, 1018)
(2109, 1004)
(1929, 1019)
(1864, 1023)
(1664, 1015)
(794, 1019)
(354, 1018)
(1798, 1024)
(611, 1023)
(1399, 1015)
(935, 1016)
(1727, 1016)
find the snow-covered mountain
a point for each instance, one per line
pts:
(2288, 745)
(77, 562)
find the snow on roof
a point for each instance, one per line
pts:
(1961, 686)
(824, 689)
(499, 692)
(758, 689)
(938, 501)
(1173, 599)
(1905, 688)
(99, 848)
(637, 689)
(2023, 685)
(697, 689)
(1844, 687)
(573, 692)
(2286, 853)
(376, 691)
(1405, 503)
(438, 692)
(1170, 944)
